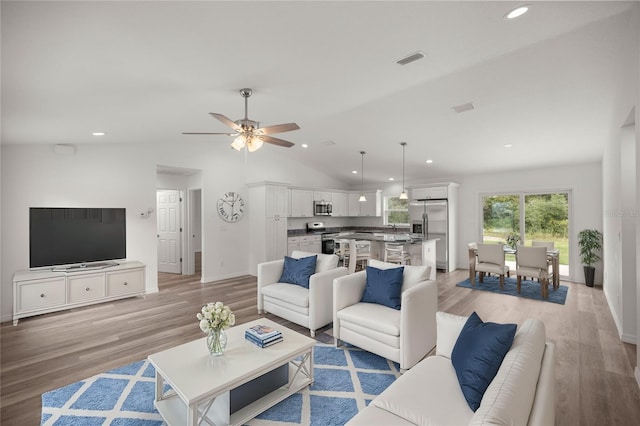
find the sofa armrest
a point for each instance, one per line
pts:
(347, 291)
(543, 411)
(418, 322)
(268, 273)
(321, 296)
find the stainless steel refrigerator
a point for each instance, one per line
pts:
(429, 218)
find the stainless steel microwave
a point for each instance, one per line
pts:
(322, 208)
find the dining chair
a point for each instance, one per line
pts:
(396, 253)
(354, 252)
(532, 262)
(491, 260)
(550, 245)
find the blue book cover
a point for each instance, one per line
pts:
(249, 336)
(264, 345)
(263, 331)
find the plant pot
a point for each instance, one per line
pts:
(589, 274)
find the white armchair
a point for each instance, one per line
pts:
(312, 307)
(404, 336)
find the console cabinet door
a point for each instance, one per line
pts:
(41, 294)
(86, 287)
(124, 282)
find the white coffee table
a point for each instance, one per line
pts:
(201, 384)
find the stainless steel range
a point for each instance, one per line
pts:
(328, 238)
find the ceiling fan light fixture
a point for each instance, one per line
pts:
(239, 143)
(254, 144)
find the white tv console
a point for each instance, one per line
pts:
(42, 291)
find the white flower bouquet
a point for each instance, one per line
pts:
(215, 317)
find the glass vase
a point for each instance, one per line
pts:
(216, 342)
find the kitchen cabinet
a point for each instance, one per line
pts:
(322, 196)
(308, 243)
(268, 209)
(426, 193)
(311, 244)
(340, 202)
(301, 201)
(354, 204)
(275, 238)
(276, 201)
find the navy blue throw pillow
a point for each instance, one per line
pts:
(477, 355)
(383, 286)
(298, 271)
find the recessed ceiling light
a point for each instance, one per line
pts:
(304, 145)
(391, 179)
(518, 11)
(508, 145)
(429, 161)
(469, 106)
(98, 133)
(355, 172)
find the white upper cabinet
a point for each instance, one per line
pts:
(429, 192)
(301, 201)
(322, 196)
(340, 201)
(276, 201)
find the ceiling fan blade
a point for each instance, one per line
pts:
(278, 128)
(206, 133)
(276, 141)
(226, 121)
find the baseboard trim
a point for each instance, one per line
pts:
(205, 280)
(614, 314)
(636, 373)
(629, 338)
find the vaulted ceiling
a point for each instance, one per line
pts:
(143, 72)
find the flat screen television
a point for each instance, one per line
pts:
(68, 236)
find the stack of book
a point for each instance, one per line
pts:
(263, 335)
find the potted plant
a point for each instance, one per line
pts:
(590, 242)
(513, 238)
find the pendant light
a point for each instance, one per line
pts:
(362, 198)
(403, 194)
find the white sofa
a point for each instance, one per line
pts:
(404, 336)
(522, 392)
(312, 307)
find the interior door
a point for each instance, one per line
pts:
(169, 238)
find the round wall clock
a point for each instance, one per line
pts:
(231, 206)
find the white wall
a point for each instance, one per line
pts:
(103, 175)
(584, 182)
(620, 186)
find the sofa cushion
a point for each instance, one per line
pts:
(292, 294)
(477, 355)
(448, 329)
(509, 397)
(377, 318)
(428, 394)
(411, 275)
(383, 286)
(324, 262)
(298, 271)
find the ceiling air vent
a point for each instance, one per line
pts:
(464, 107)
(411, 58)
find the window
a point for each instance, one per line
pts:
(396, 211)
(527, 217)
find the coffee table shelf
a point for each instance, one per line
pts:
(203, 384)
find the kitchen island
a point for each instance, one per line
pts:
(422, 251)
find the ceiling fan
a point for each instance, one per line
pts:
(248, 132)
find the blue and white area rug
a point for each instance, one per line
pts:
(528, 289)
(345, 381)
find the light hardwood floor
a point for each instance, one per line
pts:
(594, 370)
